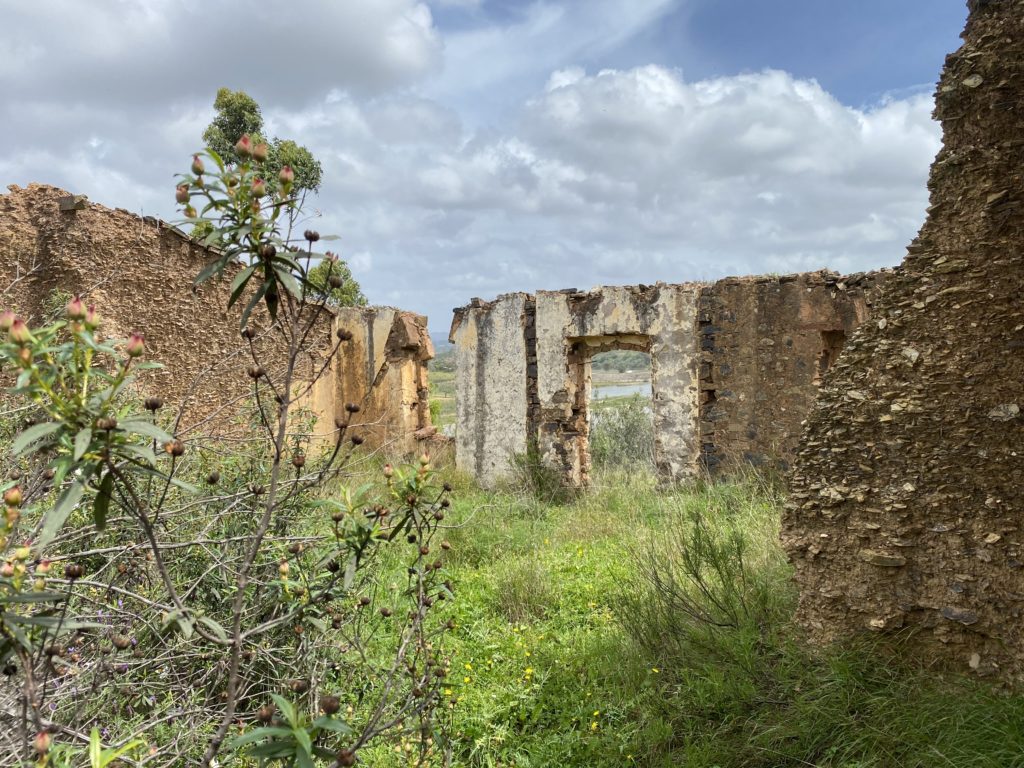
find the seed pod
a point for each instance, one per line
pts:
(329, 704)
(312, 235)
(153, 404)
(248, 333)
(283, 568)
(352, 407)
(344, 335)
(213, 478)
(357, 439)
(197, 165)
(175, 448)
(346, 758)
(256, 372)
(298, 686)
(446, 545)
(181, 194)
(295, 548)
(447, 487)
(13, 497)
(424, 550)
(265, 714)
(121, 642)
(73, 571)
(335, 281)
(268, 251)
(364, 601)
(299, 460)
(385, 612)
(106, 423)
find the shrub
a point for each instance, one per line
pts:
(622, 435)
(209, 596)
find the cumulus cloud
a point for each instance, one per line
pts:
(602, 176)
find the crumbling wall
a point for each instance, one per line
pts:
(384, 371)
(906, 502)
(139, 273)
(766, 343)
(573, 326)
(492, 404)
(735, 366)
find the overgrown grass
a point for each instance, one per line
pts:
(586, 638)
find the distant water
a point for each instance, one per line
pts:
(600, 392)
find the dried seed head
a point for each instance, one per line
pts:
(312, 235)
(248, 333)
(335, 281)
(73, 571)
(352, 407)
(106, 423)
(256, 372)
(357, 440)
(344, 335)
(175, 448)
(153, 404)
(265, 714)
(213, 478)
(299, 460)
(268, 251)
(298, 686)
(329, 704)
(346, 758)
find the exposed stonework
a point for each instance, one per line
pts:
(735, 366)
(139, 273)
(906, 500)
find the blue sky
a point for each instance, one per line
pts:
(473, 147)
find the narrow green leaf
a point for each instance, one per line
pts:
(56, 517)
(258, 734)
(302, 737)
(35, 433)
(303, 758)
(214, 627)
(101, 506)
(145, 428)
(286, 707)
(333, 724)
(82, 440)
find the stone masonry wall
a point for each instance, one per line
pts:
(573, 326)
(906, 504)
(492, 402)
(139, 273)
(766, 343)
(735, 367)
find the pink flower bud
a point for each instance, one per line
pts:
(259, 187)
(135, 346)
(190, 212)
(181, 194)
(19, 332)
(389, 471)
(260, 152)
(286, 176)
(243, 148)
(75, 310)
(6, 320)
(42, 742)
(197, 165)
(92, 318)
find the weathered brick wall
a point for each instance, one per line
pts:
(766, 344)
(907, 498)
(139, 273)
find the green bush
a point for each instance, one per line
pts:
(622, 434)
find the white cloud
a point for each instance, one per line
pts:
(616, 176)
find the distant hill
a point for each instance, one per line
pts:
(441, 342)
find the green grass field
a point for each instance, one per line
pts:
(621, 629)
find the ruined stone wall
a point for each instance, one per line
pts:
(139, 274)
(573, 326)
(735, 366)
(384, 371)
(491, 399)
(906, 502)
(766, 343)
